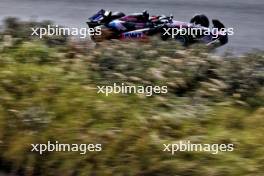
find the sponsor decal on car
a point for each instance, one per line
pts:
(133, 34)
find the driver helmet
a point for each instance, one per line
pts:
(107, 13)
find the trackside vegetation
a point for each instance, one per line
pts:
(48, 92)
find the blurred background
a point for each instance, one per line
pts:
(48, 93)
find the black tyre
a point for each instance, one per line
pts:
(201, 20)
(183, 40)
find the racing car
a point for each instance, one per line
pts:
(117, 25)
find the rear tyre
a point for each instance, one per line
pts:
(183, 40)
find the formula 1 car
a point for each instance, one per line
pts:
(117, 25)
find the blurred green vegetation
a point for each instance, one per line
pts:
(48, 92)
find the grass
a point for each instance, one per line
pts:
(46, 95)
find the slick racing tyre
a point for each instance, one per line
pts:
(183, 40)
(201, 20)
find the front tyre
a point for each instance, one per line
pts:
(200, 20)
